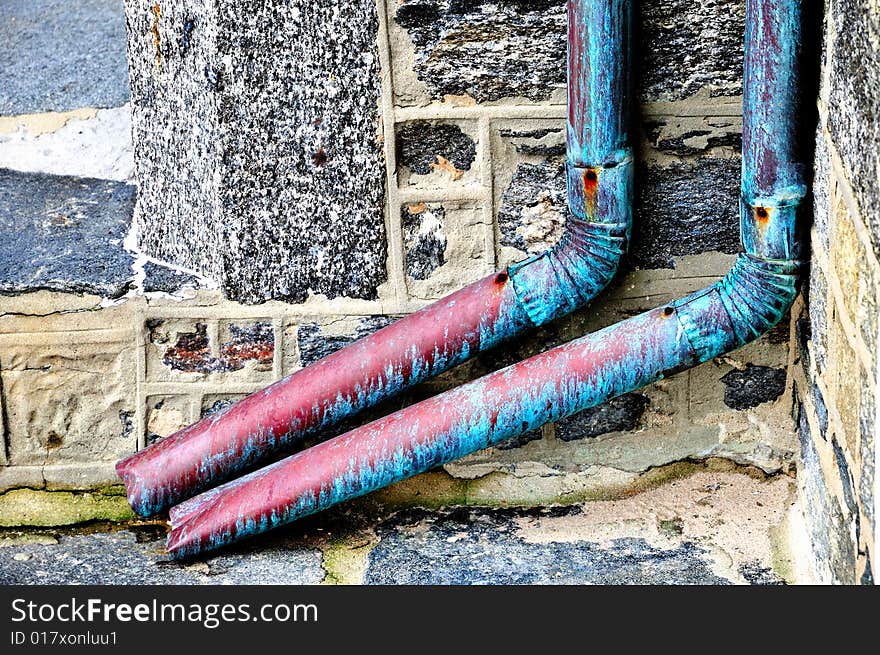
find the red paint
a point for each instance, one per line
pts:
(218, 445)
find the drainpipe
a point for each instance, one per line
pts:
(747, 302)
(448, 332)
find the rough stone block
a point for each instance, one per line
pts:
(445, 248)
(821, 190)
(854, 98)
(829, 533)
(62, 55)
(69, 398)
(258, 147)
(845, 373)
(213, 403)
(71, 230)
(191, 349)
(685, 209)
(486, 50)
(317, 340)
(165, 415)
(167, 280)
(436, 154)
(684, 136)
(489, 51)
(753, 386)
(485, 547)
(867, 435)
(856, 270)
(619, 414)
(817, 297)
(533, 210)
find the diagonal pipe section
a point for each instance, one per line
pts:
(747, 302)
(444, 334)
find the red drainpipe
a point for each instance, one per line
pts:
(446, 333)
(748, 301)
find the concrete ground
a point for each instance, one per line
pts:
(709, 528)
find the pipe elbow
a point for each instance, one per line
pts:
(571, 273)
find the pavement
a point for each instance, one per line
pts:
(709, 528)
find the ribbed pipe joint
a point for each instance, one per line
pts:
(768, 227)
(750, 300)
(571, 273)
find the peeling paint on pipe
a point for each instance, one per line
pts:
(480, 316)
(747, 302)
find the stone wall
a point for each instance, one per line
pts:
(220, 281)
(837, 380)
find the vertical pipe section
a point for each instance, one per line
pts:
(752, 298)
(430, 341)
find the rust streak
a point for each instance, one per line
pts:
(154, 30)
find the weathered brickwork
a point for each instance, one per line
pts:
(837, 376)
(426, 153)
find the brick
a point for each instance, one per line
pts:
(69, 398)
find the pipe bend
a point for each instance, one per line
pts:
(597, 234)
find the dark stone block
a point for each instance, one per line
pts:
(314, 344)
(619, 414)
(817, 306)
(169, 280)
(867, 430)
(485, 49)
(520, 440)
(280, 192)
(64, 234)
(827, 527)
(424, 239)
(422, 144)
(756, 574)
(535, 199)
(848, 485)
(683, 143)
(683, 47)
(685, 209)
(821, 412)
(531, 142)
(854, 102)
(191, 353)
(753, 386)
(804, 334)
(61, 55)
(492, 50)
(481, 547)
